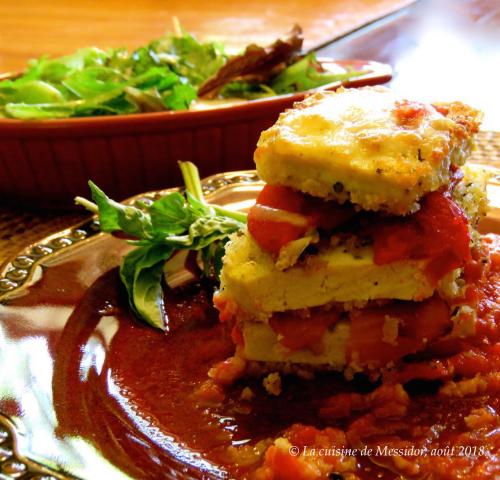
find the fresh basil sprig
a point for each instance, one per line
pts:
(174, 222)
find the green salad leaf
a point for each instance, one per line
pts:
(180, 97)
(250, 91)
(162, 75)
(174, 222)
(194, 60)
(306, 74)
(167, 74)
(25, 111)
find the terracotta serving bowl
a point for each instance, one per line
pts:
(46, 163)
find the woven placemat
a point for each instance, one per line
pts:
(21, 227)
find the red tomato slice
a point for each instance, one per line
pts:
(438, 231)
(419, 323)
(272, 235)
(409, 113)
(282, 198)
(284, 466)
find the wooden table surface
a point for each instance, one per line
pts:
(29, 28)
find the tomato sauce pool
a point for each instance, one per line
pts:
(131, 392)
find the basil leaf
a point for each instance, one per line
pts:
(204, 231)
(212, 256)
(170, 215)
(141, 273)
(115, 216)
(198, 207)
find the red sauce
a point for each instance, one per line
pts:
(409, 114)
(149, 409)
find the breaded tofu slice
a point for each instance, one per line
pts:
(252, 280)
(368, 145)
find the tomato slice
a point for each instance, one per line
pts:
(282, 198)
(438, 231)
(272, 236)
(418, 324)
(409, 114)
(272, 232)
(281, 465)
(297, 332)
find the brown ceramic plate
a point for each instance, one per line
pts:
(48, 162)
(87, 391)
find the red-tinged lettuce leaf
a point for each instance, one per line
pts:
(256, 63)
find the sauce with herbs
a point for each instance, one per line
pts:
(141, 398)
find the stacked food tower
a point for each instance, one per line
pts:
(361, 250)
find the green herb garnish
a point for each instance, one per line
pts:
(174, 222)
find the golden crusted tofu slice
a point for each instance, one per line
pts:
(368, 145)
